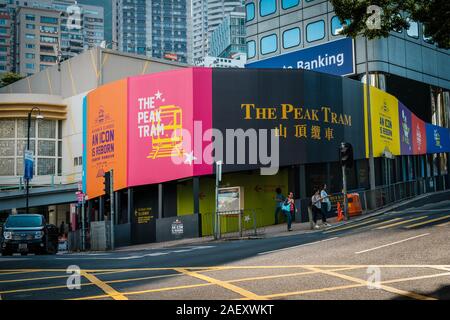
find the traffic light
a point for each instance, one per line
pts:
(107, 182)
(346, 154)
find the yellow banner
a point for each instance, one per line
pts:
(385, 122)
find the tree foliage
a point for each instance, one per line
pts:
(395, 15)
(9, 77)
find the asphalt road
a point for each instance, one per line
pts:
(399, 255)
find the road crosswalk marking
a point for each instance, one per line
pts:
(426, 222)
(391, 244)
(401, 222)
(351, 226)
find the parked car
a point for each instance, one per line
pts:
(28, 233)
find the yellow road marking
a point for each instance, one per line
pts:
(384, 222)
(105, 287)
(444, 224)
(351, 226)
(382, 286)
(400, 223)
(295, 293)
(49, 277)
(223, 284)
(149, 291)
(392, 243)
(428, 221)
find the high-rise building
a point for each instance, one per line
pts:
(153, 28)
(37, 37)
(80, 27)
(228, 38)
(206, 15)
(5, 41)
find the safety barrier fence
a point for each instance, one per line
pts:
(233, 224)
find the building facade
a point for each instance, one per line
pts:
(206, 16)
(228, 38)
(37, 39)
(6, 39)
(56, 140)
(79, 27)
(305, 34)
(152, 28)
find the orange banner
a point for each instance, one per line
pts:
(106, 140)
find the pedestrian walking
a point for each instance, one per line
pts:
(325, 205)
(279, 200)
(316, 201)
(289, 209)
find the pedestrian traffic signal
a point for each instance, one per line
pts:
(346, 154)
(107, 182)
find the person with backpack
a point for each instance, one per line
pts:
(289, 209)
(279, 200)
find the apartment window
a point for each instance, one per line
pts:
(287, 4)
(267, 7)
(30, 17)
(30, 46)
(30, 55)
(49, 29)
(269, 44)
(49, 39)
(30, 26)
(2, 22)
(315, 31)
(30, 66)
(336, 26)
(49, 59)
(30, 36)
(413, 30)
(49, 20)
(425, 38)
(250, 11)
(291, 38)
(3, 31)
(251, 49)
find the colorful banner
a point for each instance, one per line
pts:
(161, 128)
(419, 139)
(406, 132)
(156, 128)
(384, 110)
(106, 137)
(438, 139)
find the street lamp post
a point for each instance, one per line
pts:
(39, 116)
(369, 122)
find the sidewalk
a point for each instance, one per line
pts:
(297, 227)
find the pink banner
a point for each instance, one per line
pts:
(161, 125)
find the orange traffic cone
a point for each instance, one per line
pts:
(340, 215)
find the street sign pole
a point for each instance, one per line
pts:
(344, 191)
(218, 180)
(112, 208)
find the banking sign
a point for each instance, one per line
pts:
(336, 57)
(174, 125)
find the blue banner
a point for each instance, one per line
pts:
(438, 139)
(336, 57)
(28, 165)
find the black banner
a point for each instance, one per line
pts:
(312, 113)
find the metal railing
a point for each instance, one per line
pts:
(233, 224)
(18, 183)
